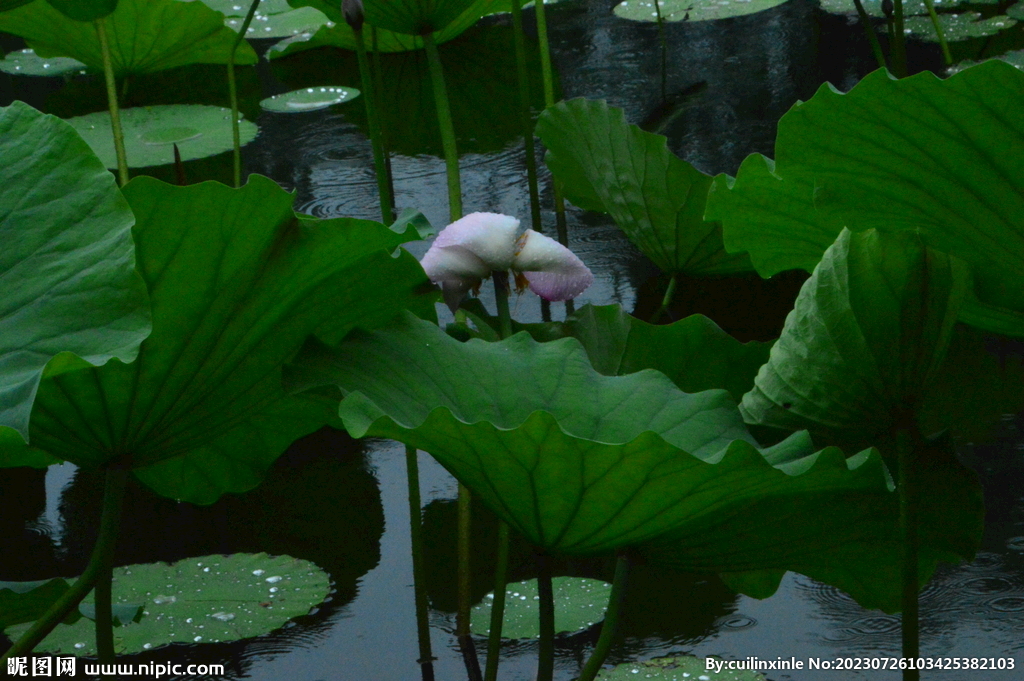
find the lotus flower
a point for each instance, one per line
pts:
(468, 250)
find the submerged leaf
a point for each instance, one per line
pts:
(67, 266)
(657, 199)
(144, 35)
(237, 283)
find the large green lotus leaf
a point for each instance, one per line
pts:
(340, 34)
(208, 599)
(237, 282)
(678, 668)
(577, 462)
(26, 601)
(27, 63)
(6, 5)
(84, 10)
(874, 7)
(657, 198)
(144, 35)
(959, 26)
(67, 266)
(941, 157)
(299, 21)
(694, 352)
(414, 17)
(691, 10)
(867, 334)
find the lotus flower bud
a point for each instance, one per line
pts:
(353, 11)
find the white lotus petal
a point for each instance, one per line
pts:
(552, 270)
(453, 263)
(489, 236)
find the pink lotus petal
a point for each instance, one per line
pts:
(552, 270)
(489, 236)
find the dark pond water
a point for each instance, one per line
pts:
(343, 504)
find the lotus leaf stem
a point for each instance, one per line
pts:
(898, 48)
(611, 621)
(115, 111)
(498, 604)
(545, 592)
(930, 4)
(670, 293)
(869, 31)
(664, 49)
(376, 137)
(524, 113)
(444, 118)
(501, 292)
(907, 447)
(412, 470)
(378, 93)
(102, 555)
(236, 138)
(464, 587)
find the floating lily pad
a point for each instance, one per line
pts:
(681, 668)
(199, 600)
(27, 63)
(198, 130)
(579, 603)
(239, 8)
(691, 10)
(309, 99)
(283, 25)
(1013, 57)
(26, 601)
(874, 7)
(956, 27)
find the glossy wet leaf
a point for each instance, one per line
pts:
(27, 63)
(286, 24)
(26, 601)
(309, 99)
(691, 10)
(911, 8)
(414, 17)
(84, 10)
(341, 35)
(121, 613)
(867, 335)
(237, 283)
(693, 352)
(67, 267)
(239, 8)
(144, 35)
(957, 26)
(657, 199)
(151, 131)
(579, 604)
(206, 599)
(678, 668)
(942, 157)
(1013, 57)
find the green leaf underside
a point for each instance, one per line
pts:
(199, 600)
(414, 17)
(693, 352)
(679, 668)
(309, 99)
(577, 462)
(866, 336)
(144, 35)
(341, 34)
(955, 27)
(655, 197)
(295, 22)
(84, 10)
(150, 132)
(237, 283)
(579, 603)
(691, 10)
(27, 601)
(67, 267)
(27, 63)
(943, 157)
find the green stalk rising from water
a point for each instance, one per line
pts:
(236, 138)
(444, 118)
(102, 555)
(611, 621)
(419, 589)
(524, 114)
(115, 111)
